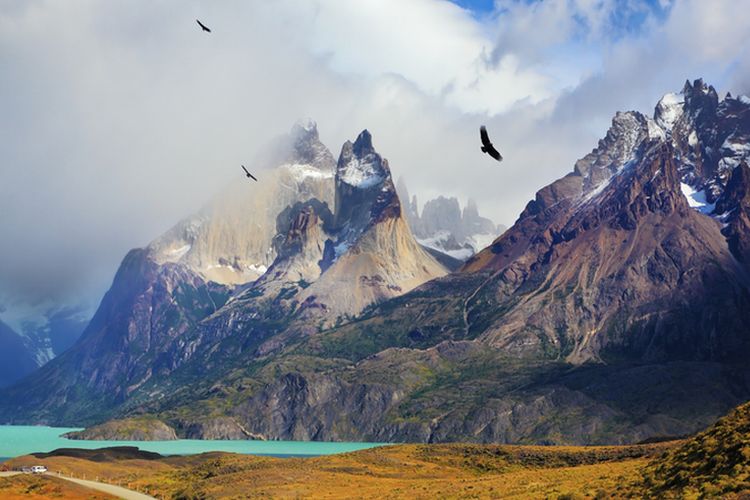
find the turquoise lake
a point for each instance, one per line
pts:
(18, 440)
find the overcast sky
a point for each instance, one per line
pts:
(121, 117)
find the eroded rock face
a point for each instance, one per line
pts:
(374, 254)
(221, 428)
(733, 209)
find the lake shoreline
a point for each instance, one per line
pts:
(16, 441)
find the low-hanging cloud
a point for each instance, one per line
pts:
(120, 118)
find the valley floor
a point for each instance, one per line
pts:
(399, 471)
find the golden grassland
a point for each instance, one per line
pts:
(712, 464)
(26, 486)
(400, 471)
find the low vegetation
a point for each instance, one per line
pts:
(713, 464)
(417, 471)
(27, 486)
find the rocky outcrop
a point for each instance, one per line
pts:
(222, 428)
(130, 429)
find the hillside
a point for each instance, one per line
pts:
(715, 463)
(413, 471)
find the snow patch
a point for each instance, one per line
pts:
(469, 247)
(260, 269)
(360, 174)
(737, 148)
(300, 172)
(178, 253)
(481, 241)
(744, 99)
(697, 199)
(654, 130)
(669, 109)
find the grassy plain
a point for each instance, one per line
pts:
(400, 471)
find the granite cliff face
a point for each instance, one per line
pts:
(374, 254)
(230, 241)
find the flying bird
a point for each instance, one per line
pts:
(249, 175)
(203, 26)
(487, 146)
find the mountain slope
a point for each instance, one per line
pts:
(179, 311)
(713, 464)
(611, 298)
(160, 293)
(15, 359)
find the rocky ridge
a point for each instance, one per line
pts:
(444, 227)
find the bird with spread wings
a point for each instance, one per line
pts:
(203, 26)
(248, 174)
(487, 146)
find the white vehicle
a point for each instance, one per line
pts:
(38, 469)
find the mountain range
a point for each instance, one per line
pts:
(614, 310)
(445, 228)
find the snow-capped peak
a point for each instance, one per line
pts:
(360, 174)
(360, 166)
(669, 109)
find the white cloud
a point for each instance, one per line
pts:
(122, 117)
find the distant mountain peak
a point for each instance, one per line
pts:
(306, 126)
(363, 144)
(669, 109)
(360, 165)
(230, 241)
